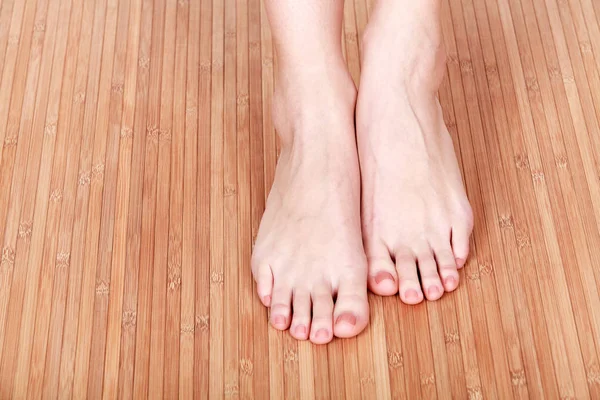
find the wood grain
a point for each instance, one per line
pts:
(137, 151)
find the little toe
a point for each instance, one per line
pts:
(409, 286)
(281, 307)
(321, 330)
(447, 268)
(430, 280)
(461, 232)
(264, 282)
(301, 318)
(351, 312)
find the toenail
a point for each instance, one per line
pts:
(301, 330)
(383, 276)
(433, 291)
(322, 334)
(279, 320)
(460, 262)
(267, 300)
(450, 281)
(411, 294)
(347, 318)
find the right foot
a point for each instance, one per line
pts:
(308, 261)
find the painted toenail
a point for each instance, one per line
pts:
(411, 294)
(322, 334)
(279, 320)
(450, 281)
(433, 291)
(301, 330)
(347, 318)
(267, 300)
(383, 276)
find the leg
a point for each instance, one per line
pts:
(416, 216)
(309, 249)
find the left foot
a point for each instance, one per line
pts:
(416, 216)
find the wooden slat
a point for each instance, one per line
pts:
(137, 152)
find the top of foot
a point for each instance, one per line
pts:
(308, 260)
(416, 217)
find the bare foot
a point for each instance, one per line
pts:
(308, 261)
(416, 216)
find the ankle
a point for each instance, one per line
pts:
(399, 14)
(414, 57)
(302, 78)
(303, 100)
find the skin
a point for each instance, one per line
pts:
(415, 212)
(323, 240)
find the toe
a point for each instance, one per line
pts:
(408, 280)
(461, 232)
(301, 319)
(321, 330)
(382, 279)
(430, 279)
(351, 312)
(264, 282)
(281, 307)
(447, 267)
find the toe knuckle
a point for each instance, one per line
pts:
(425, 259)
(468, 217)
(428, 273)
(322, 300)
(448, 269)
(301, 292)
(350, 298)
(298, 321)
(254, 264)
(408, 283)
(403, 259)
(402, 252)
(445, 257)
(280, 308)
(322, 321)
(463, 216)
(354, 279)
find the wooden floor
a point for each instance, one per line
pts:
(137, 153)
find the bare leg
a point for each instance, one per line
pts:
(309, 248)
(416, 216)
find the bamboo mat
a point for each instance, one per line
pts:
(137, 151)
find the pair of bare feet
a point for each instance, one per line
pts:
(378, 203)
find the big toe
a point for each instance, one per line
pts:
(382, 279)
(351, 313)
